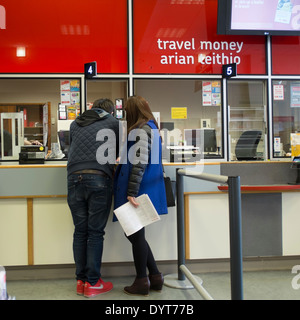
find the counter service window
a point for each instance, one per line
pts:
(286, 118)
(189, 115)
(115, 90)
(247, 114)
(38, 104)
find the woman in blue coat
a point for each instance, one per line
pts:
(140, 172)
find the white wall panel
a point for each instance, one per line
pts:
(53, 235)
(13, 232)
(290, 223)
(209, 226)
(52, 231)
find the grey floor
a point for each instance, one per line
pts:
(258, 285)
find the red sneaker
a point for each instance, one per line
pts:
(80, 287)
(98, 288)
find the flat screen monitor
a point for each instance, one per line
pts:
(64, 141)
(167, 125)
(263, 17)
(201, 137)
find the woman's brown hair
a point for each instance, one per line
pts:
(138, 113)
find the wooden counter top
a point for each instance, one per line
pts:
(266, 188)
(60, 164)
(47, 164)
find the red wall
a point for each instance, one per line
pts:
(169, 36)
(285, 53)
(192, 24)
(60, 36)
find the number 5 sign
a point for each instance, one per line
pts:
(229, 70)
(90, 69)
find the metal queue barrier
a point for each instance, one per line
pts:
(236, 266)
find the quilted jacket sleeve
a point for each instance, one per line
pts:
(138, 169)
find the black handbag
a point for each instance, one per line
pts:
(170, 187)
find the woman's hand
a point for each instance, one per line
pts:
(133, 201)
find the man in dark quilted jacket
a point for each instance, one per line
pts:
(94, 148)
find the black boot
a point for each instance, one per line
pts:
(156, 281)
(140, 286)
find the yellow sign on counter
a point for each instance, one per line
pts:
(179, 113)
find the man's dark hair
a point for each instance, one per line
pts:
(105, 104)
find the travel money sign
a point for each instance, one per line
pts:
(186, 42)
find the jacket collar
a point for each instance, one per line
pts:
(90, 116)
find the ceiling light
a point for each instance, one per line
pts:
(21, 52)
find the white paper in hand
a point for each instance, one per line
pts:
(133, 219)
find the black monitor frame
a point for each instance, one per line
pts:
(224, 24)
(64, 141)
(207, 138)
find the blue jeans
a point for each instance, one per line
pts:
(89, 199)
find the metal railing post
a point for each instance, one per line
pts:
(180, 224)
(236, 264)
(235, 226)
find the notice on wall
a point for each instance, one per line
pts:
(179, 113)
(278, 92)
(65, 86)
(75, 85)
(211, 93)
(295, 95)
(75, 98)
(70, 97)
(65, 98)
(277, 142)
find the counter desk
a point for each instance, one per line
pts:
(36, 226)
(270, 219)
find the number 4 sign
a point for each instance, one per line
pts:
(229, 70)
(90, 69)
